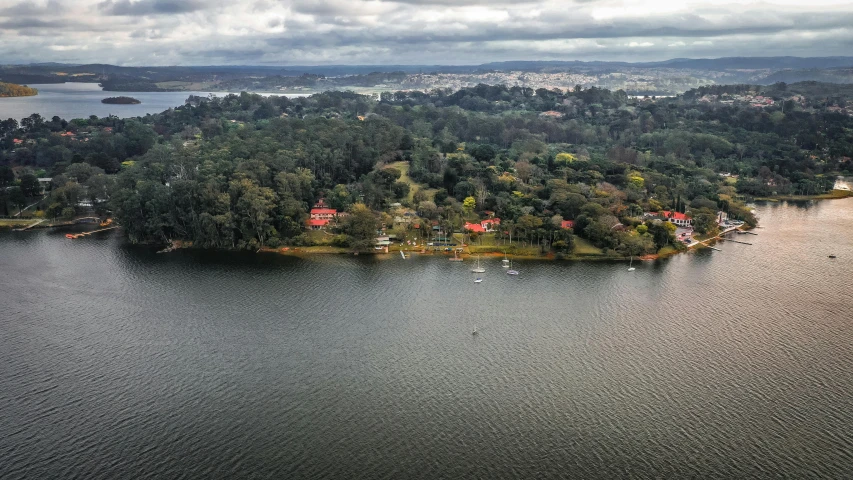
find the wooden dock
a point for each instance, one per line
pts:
(726, 239)
(721, 238)
(75, 236)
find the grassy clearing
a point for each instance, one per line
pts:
(319, 237)
(16, 222)
(833, 195)
(403, 167)
(667, 251)
(585, 249)
(488, 244)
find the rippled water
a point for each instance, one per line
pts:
(119, 363)
(80, 100)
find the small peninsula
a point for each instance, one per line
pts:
(15, 90)
(121, 101)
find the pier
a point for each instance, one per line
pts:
(736, 241)
(720, 237)
(74, 236)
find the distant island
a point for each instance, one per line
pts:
(121, 101)
(15, 90)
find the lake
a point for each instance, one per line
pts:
(116, 362)
(80, 100)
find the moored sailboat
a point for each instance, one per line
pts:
(511, 271)
(478, 268)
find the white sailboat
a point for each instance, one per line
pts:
(505, 261)
(630, 264)
(479, 269)
(511, 271)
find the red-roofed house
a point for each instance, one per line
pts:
(567, 224)
(677, 218)
(17, 141)
(490, 224)
(320, 217)
(317, 224)
(474, 227)
(323, 213)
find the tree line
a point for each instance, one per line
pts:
(242, 171)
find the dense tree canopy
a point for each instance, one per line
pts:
(242, 171)
(14, 90)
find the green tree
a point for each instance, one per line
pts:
(361, 226)
(17, 197)
(469, 204)
(704, 221)
(29, 185)
(254, 206)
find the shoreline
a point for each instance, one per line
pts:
(306, 251)
(550, 256)
(832, 195)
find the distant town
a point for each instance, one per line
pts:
(656, 78)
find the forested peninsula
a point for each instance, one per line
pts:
(15, 90)
(543, 171)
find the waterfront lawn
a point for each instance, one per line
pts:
(16, 222)
(585, 249)
(832, 195)
(319, 237)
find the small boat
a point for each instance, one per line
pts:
(478, 280)
(511, 271)
(630, 264)
(832, 256)
(68, 235)
(474, 332)
(479, 269)
(402, 254)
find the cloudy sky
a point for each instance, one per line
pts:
(318, 32)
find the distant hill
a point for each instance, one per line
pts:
(163, 73)
(15, 90)
(753, 63)
(832, 75)
(725, 63)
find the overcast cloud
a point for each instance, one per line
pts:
(308, 32)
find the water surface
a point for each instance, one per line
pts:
(116, 362)
(80, 100)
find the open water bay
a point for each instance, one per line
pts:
(80, 100)
(116, 362)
